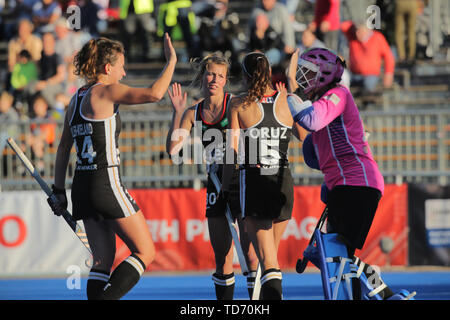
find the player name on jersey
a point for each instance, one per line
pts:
(268, 133)
(82, 129)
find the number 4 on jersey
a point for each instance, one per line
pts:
(87, 151)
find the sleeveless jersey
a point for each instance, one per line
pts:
(96, 141)
(266, 143)
(214, 149)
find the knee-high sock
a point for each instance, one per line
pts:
(124, 277)
(271, 285)
(224, 284)
(96, 282)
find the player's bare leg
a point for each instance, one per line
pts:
(262, 236)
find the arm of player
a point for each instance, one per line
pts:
(123, 94)
(314, 116)
(61, 163)
(63, 154)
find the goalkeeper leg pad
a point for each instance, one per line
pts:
(330, 255)
(373, 287)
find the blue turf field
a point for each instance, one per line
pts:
(429, 286)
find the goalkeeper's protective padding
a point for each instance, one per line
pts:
(373, 288)
(309, 153)
(330, 255)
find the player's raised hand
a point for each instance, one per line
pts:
(178, 98)
(291, 72)
(281, 87)
(169, 50)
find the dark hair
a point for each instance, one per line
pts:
(256, 68)
(90, 61)
(202, 66)
(25, 54)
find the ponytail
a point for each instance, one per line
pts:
(256, 68)
(90, 61)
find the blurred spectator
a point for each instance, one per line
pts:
(326, 22)
(42, 131)
(387, 10)
(52, 71)
(25, 40)
(12, 11)
(220, 31)
(8, 125)
(44, 15)
(292, 7)
(423, 31)
(368, 48)
(136, 15)
(24, 72)
(177, 19)
(8, 115)
(277, 13)
(264, 39)
(356, 11)
(71, 84)
(104, 12)
(57, 111)
(405, 15)
(67, 42)
(90, 19)
(309, 40)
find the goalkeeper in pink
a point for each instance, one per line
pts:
(355, 185)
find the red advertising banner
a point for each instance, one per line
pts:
(176, 219)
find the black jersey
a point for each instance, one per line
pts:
(214, 135)
(266, 143)
(96, 141)
(266, 185)
(214, 152)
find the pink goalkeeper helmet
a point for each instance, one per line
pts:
(317, 68)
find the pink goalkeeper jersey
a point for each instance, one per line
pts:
(339, 141)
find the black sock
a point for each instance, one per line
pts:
(96, 282)
(271, 285)
(251, 278)
(124, 277)
(224, 284)
(374, 278)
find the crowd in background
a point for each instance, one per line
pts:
(43, 35)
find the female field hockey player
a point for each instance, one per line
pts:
(328, 111)
(99, 198)
(211, 114)
(261, 127)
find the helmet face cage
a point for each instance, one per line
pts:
(327, 64)
(305, 76)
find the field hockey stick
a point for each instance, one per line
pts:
(301, 263)
(257, 285)
(77, 228)
(232, 226)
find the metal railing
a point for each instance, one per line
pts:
(409, 146)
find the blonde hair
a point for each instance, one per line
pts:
(202, 66)
(90, 61)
